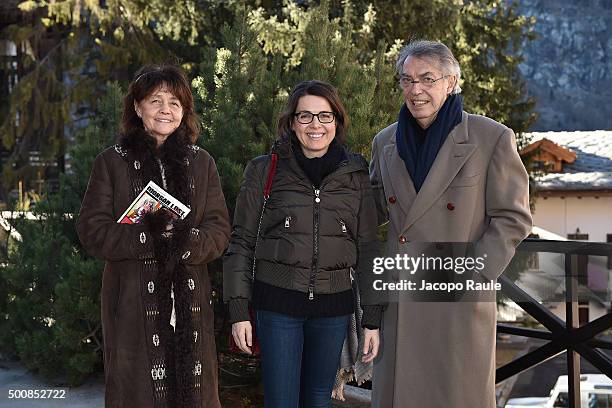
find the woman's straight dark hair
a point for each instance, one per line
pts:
(146, 81)
(315, 88)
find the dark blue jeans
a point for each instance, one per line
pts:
(299, 357)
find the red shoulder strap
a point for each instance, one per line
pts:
(271, 172)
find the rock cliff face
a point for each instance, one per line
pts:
(568, 68)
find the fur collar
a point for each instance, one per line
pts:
(173, 155)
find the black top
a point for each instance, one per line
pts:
(318, 168)
(296, 303)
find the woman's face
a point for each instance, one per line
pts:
(315, 137)
(424, 101)
(161, 113)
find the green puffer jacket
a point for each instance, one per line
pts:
(310, 240)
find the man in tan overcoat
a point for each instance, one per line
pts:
(444, 175)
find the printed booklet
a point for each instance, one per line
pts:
(152, 198)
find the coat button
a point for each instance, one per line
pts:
(450, 206)
(143, 238)
(392, 199)
(197, 370)
(186, 255)
(402, 239)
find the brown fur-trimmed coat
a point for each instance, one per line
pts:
(148, 363)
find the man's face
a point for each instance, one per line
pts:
(422, 99)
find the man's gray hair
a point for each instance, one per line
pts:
(436, 51)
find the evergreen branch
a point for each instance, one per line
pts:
(241, 35)
(92, 333)
(138, 32)
(51, 51)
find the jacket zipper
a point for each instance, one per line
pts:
(343, 226)
(315, 234)
(315, 243)
(287, 221)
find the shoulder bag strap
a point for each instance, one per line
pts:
(266, 195)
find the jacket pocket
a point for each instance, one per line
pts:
(465, 181)
(345, 230)
(278, 225)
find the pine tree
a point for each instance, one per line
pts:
(246, 80)
(69, 49)
(352, 46)
(317, 46)
(50, 310)
(239, 100)
(485, 36)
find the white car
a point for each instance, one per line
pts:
(595, 392)
(531, 402)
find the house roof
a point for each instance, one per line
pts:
(592, 169)
(560, 152)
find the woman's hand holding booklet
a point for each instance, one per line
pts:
(151, 199)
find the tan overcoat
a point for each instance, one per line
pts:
(434, 354)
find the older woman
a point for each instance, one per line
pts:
(443, 175)
(157, 317)
(294, 264)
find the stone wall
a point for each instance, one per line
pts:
(568, 68)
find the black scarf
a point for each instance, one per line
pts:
(318, 168)
(419, 147)
(171, 273)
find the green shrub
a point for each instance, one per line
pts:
(50, 305)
